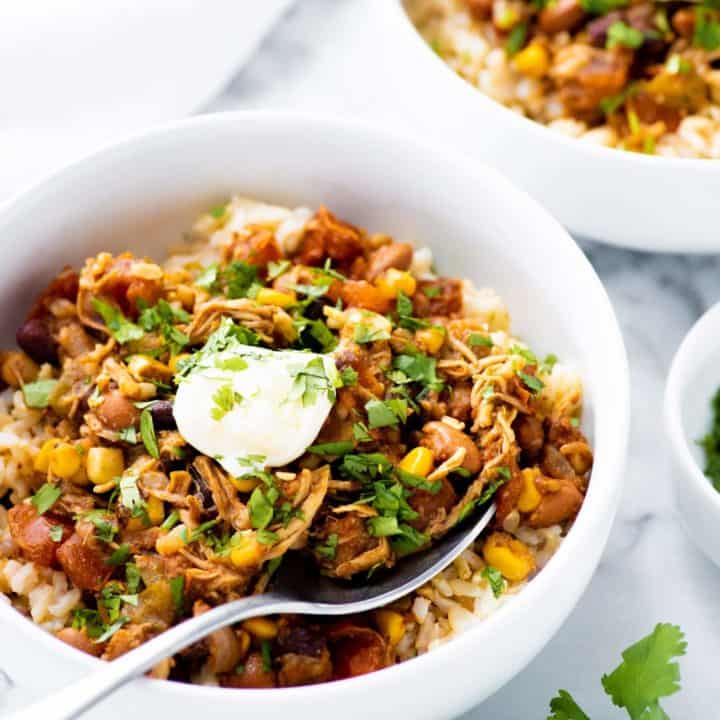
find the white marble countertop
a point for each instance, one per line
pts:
(650, 571)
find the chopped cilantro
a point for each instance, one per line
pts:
(478, 340)
(267, 537)
(310, 381)
(361, 466)
(408, 541)
(564, 707)
(132, 577)
(121, 328)
(602, 7)
(37, 394)
(163, 317)
(503, 471)
(218, 211)
(171, 520)
(621, 34)
(348, 376)
(56, 533)
(119, 555)
(128, 435)
(332, 448)
(110, 630)
(529, 355)
(261, 508)
(385, 413)
(575, 422)
(418, 368)
(266, 656)
(431, 291)
(366, 334)
(130, 494)
(516, 38)
(224, 399)
(707, 29)
(361, 433)
(495, 579)
(312, 291)
(102, 520)
(240, 279)
(382, 526)
(276, 269)
(147, 433)
(533, 383)
(45, 497)
(177, 590)
(328, 549)
(208, 277)
(405, 310)
(416, 481)
(711, 444)
(236, 364)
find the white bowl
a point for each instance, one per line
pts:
(622, 198)
(142, 193)
(693, 380)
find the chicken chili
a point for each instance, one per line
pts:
(631, 74)
(284, 382)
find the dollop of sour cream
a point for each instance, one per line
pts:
(247, 405)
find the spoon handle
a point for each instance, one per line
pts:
(73, 700)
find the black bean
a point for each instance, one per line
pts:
(34, 337)
(302, 640)
(162, 415)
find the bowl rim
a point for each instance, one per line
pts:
(681, 444)
(400, 18)
(603, 497)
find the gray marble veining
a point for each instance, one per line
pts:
(650, 572)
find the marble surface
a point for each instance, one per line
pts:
(650, 571)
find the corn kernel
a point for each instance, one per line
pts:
(392, 281)
(247, 554)
(155, 510)
(135, 524)
(243, 642)
(42, 459)
(18, 369)
(143, 367)
(65, 460)
(504, 17)
(419, 461)
(430, 339)
(391, 625)
(261, 628)
(104, 464)
(245, 484)
(529, 497)
(533, 61)
(510, 556)
(268, 296)
(171, 542)
(175, 360)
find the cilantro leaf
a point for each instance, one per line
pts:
(533, 383)
(516, 38)
(332, 448)
(385, 413)
(602, 7)
(479, 340)
(328, 549)
(276, 269)
(404, 310)
(177, 591)
(647, 672)
(310, 381)
(366, 334)
(45, 497)
(707, 29)
(261, 509)
(348, 376)
(37, 394)
(147, 433)
(418, 368)
(56, 533)
(121, 328)
(495, 579)
(224, 399)
(564, 707)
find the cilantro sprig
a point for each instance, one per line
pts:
(647, 674)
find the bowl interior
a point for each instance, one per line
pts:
(141, 195)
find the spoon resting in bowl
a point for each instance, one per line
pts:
(290, 592)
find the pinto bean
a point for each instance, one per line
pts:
(117, 411)
(17, 369)
(458, 405)
(356, 650)
(683, 22)
(529, 434)
(34, 337)
(84, 562)
(560, 16)
(253, 675)
(394, 255)
(427, 504)
(507, 497)
(557, 507)
(80, 641)
(360, 293)
(224, 649)
(32, 532)
(444, 441)
(555, 465)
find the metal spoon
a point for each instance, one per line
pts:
(292, 591)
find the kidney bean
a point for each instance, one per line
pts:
(34, 337)
(162, 415)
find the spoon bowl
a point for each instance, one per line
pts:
(294, 589)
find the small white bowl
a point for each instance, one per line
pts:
(693, 380)
(617, 197)
(141, 194)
